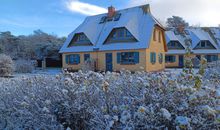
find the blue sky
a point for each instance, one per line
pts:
(61, 17)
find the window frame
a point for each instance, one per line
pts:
(86, 57)
(212, 58)
(128, 58)
(73, 59)
(155, 35)
(159, 36)
(153, 57)
(80, 39)
(160, 58)
(120, 35)
(168, 59)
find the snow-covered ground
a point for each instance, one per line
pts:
(39, 71)
(164, 100)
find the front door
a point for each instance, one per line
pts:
(108, 61)
(181, 61)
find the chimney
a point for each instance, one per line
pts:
(111, 11)
(180, 28)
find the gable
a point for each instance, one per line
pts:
(158, 36)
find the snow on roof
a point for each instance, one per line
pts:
(196, 35)
(139, 23)
(216, 33)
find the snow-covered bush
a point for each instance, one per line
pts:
(108, 101)
(24, 66)
(88, 65)
(6, 65)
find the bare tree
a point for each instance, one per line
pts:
(35, 46)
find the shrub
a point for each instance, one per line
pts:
(89, 65)
(108, 101)
(24, 66)
(6, 65)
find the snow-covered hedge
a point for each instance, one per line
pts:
(6, 65)
(109, 101)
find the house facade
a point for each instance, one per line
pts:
(204, 42)
(130, 38)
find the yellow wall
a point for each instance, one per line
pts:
(100, 58)
(157, 47)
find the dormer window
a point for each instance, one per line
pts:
(120, 35)
(80, 39)
(205, 44)
(116, 17)
(174, 45)
(103, 19)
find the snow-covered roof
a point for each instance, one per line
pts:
(170, 36)
(196, 35)
(216, 33)
(139, 23)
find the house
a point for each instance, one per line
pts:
(205, 42)
(130, 38)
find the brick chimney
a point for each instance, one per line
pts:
(111, 11)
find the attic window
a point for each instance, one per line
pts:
(172, 45)
(117, 17)
(205, 44)
(120, 35)
(108, 19)
(80, 39)
(103, 19)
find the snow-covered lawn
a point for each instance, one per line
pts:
(51, 100)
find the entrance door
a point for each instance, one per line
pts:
(181, 61)
(108, 61)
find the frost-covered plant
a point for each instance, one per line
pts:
(201, 72)
(88, 65)
(188, 64)
(6, 65)
(90, 100)
(202, 67)
(24, 66)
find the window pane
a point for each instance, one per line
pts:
(120, 33)
(203, 44)
(74, 59)
(86, 57)
(159, 37)
(128, 58)
(128, 34)
(154, 35)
